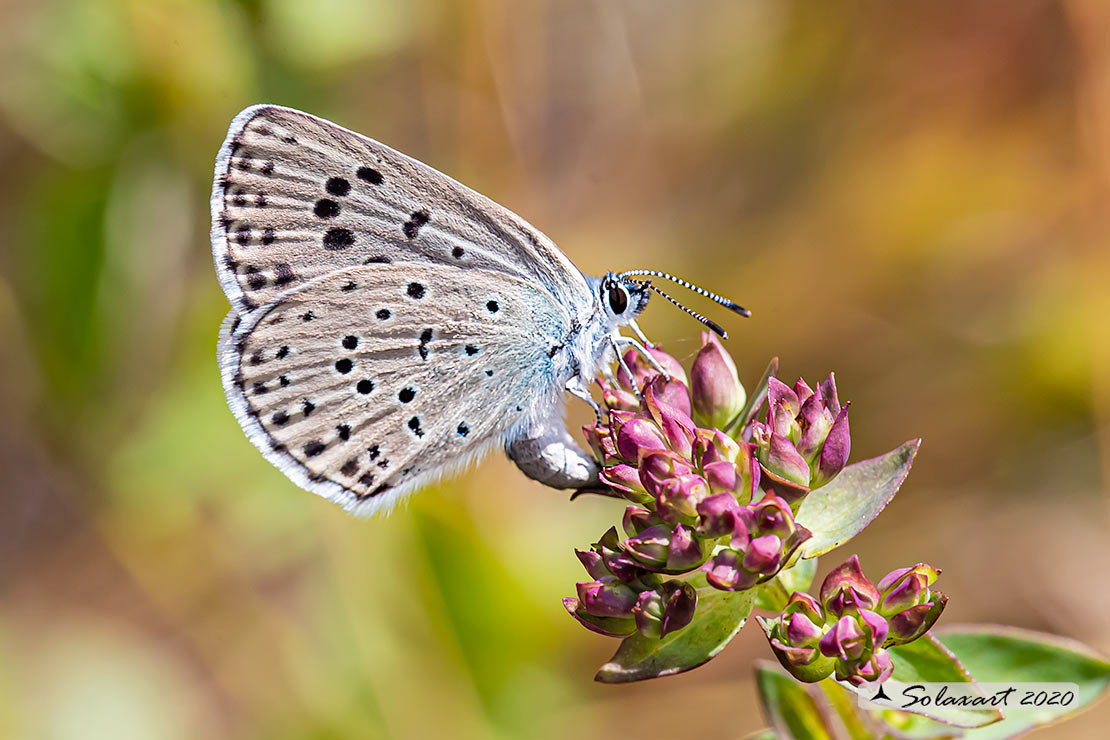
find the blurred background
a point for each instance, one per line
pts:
(914, 195)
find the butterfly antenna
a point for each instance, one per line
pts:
(730, 305)
(711, 324)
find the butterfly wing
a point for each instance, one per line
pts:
(296, 197)
(365, 383)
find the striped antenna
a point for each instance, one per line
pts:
(730, 305)
(711, 324)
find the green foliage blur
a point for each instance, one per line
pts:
(912, 194)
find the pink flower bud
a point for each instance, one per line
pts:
(763, 555)
(607, 597)
(637, 436)
(717, 515)
(685, 551)
(847, 589)
(715, 389)
(679, 496)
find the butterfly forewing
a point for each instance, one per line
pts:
(364, 383)
(296, 197)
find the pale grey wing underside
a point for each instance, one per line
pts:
(296, 197)
(370, 381)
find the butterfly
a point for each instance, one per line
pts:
(389, 325)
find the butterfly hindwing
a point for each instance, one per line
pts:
(296, 197)
(364, 383)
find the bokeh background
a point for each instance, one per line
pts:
(912, 194)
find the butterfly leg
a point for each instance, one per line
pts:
(624, 366)
(639, 347)
(639, 333)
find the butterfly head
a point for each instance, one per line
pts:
(622, 298)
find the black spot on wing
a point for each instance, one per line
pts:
(416, 220)
(370, 175)
(326, 208)
(338, 238)
(337, 186)
(283, 274)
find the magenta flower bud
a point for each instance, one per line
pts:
(593, 563)
(636, 520)
(643, 371)
(607, 597)
(782, 401)
(764, 538)
(806, 440)
(636, 437)
(795, 638)
(817, 420)
(716, 446)
(802, 623)
(802, 391)
(678, 498)
(608, 626)
(597, 437)
(763, 555)
(910, 624)
(616, 398)
(846, 640)
(715, 389)
(846, 589)
(876, 668)
(648, 613)
(834, 452)
(623, 478)
(649, 548)
(671, 393)
(685, 552)
(723, 571)
(717, 515)
(658, 467)
(828, 393)
(722, 476)
(784, 461)
(626, 569)
(772, 515)
(800, 630)
(666, 609)
(905, 588)
(681, 603)
(678, 428)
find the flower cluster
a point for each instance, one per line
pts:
(712, 494)
(696, 495)
(805, 442)
(849, 628)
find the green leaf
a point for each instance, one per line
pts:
(719, 616)
(997, 654)
(841, 509)
(791, 710)
(755, 400)
(926, 660)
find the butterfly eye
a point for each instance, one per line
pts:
(618, 299)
